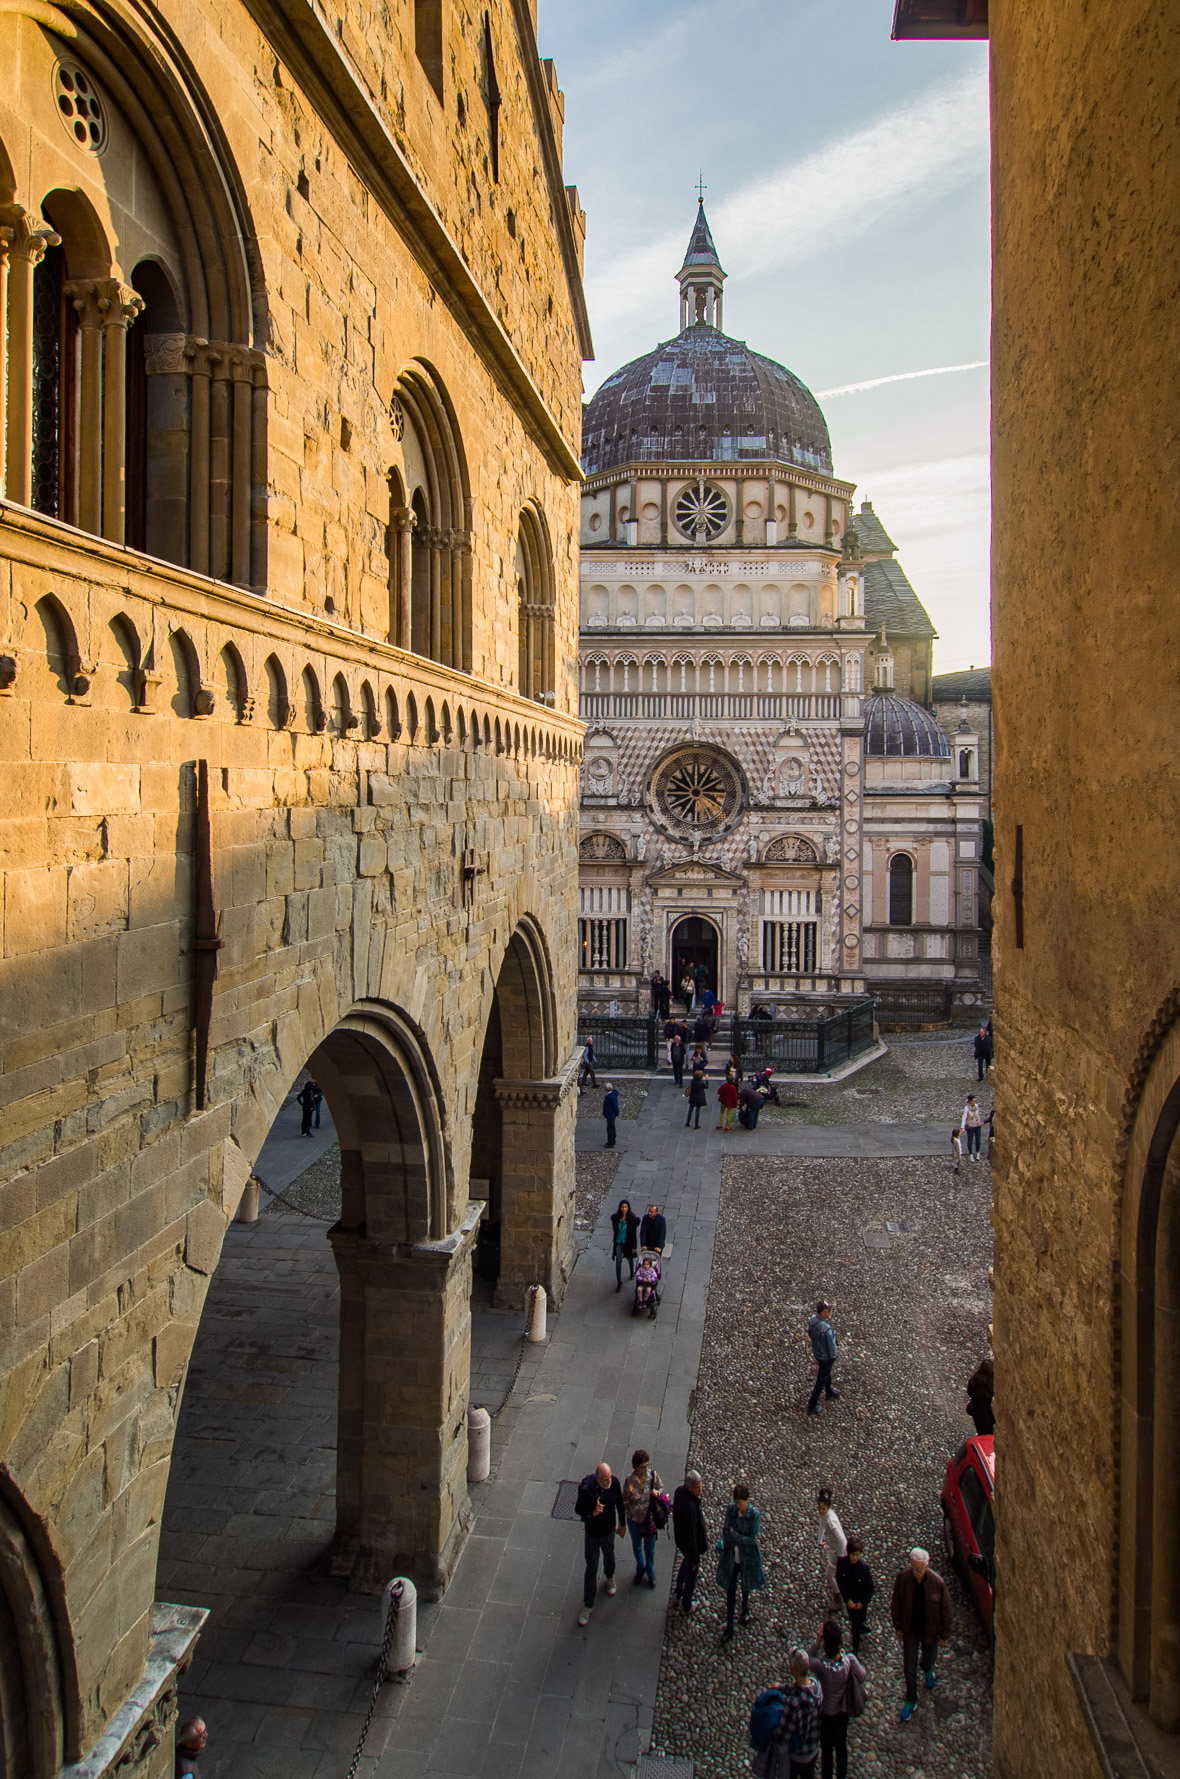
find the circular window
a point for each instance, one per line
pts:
(397, 418)
(696, 791)
(701, 512)
(79, 106)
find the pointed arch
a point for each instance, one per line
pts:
(313, 705)
(437, 487)
(370, 721)
(393, 721)
(278, 706)
(128, 657)
(59, 644)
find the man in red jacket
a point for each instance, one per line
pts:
(921, 1613)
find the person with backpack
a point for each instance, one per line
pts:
(599, 1506)
(799, 1725)
(739, 1563)
(841, 1680)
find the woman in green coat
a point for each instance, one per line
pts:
(740, 1561)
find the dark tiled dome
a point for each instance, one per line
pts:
(703, 397)
(895, 726)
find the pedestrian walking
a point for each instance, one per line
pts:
(727, 1095)
(599, 1506)
(305, 1100)
(855, 1581)
(688, 990)
(639, 1490)
(656, 983)
(698, 1096)
(317, 1101)
(749, 1105)
(799, 1725)
(823, 1344)
(691, 1538)
(836, 1671)
(192, 1739)
(972, 1125)
(624, 1226)
(833, 1545)
(708, 1001)
(701, 974)
(984, 1051)
(665, 1005)
(699, 1060)
(702, 1031)
(921, 1613)
(653, 1231)
(610, 1111)
(739, 1564)
(676, 1057)
(980, 1390)
(589, 1063)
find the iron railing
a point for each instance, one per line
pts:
(789, 1046)
(914, 1003)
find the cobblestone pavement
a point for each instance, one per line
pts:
(632, 1093)
(922, 1077)
(911, 1316)
(593, 1176)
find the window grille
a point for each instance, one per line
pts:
(788, 947)
(603, 944)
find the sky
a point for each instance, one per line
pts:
(847, 190)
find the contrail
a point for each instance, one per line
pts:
(938, 370)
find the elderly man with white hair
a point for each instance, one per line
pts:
(921, 1613)
(692, 1539)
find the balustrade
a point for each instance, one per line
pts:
(713, 706)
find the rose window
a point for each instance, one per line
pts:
(79, 106)
(696, 791)
(701, 512)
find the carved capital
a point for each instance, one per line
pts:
(118, 303)
(167, 354)
(29, 237)
(403, 518)
(83, 293)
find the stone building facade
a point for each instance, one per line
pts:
(1086, 387)
(288, 759)
(740, 625)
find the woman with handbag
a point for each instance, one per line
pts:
(841, 1678)
(739, 1563)
(623, 1244)
(641, 1492)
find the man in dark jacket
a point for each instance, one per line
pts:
(192, 1738)
(599, 1506)
(305, 1099)
(984, 1051)
(653, 1231)
(921, 1613)
(854, 1579)
(749, 1105)
(676, 1055)
(610, 1111)
(823, 1344)
(692, 1540)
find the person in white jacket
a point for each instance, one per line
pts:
(833, 1545)
(972, 1123)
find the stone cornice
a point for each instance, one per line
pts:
(300, 33)
(538, 1095)
(724, 470)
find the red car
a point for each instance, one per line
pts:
(968, 1524)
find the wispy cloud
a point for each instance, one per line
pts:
(804, 209)
(938, 370)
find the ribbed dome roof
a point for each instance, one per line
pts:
(703, 397)
(895, 726)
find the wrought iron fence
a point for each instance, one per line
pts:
(914, 1003)
(621, 1043)
(804, 1046)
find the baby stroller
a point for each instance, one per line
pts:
(761, 1079)
(647, 1290)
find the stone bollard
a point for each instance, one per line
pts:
(248, 1209)
(535, 1313)
(479, 1445)
(400, 1602)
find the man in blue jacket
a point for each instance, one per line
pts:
(823, 1344)
(610, 1111)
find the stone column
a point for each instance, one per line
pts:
(460, 545)
(435, 541)
(220, 466)
(243, 380)
(5, 243)
(198, 505)
(26, 250)
(402, 520)
(405, 1365)
(83, 293)
(536, 1186)
(119, 306)
(792, 509)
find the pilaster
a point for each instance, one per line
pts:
(537, 1184)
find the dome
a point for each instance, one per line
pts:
(895, 726)
(703, 397)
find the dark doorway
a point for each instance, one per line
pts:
(694, 947)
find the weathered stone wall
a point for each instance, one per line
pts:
(1086, 378)
(384, 832)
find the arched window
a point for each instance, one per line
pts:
(901, 890)
(430, 524)
(534, 593)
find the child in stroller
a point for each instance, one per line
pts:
(647, 1283)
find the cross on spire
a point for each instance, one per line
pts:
(702, 188)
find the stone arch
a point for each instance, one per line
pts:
(370, 721)
(278, 707)
(445, 728)
(791, 849)
(535, 605)
(411, 716)
(186, 673)
(431, 727)
(57, 645)
(525, 987)
(234, 683)
(313, 705)
(437, 488)
(487, 734)
(602, 846)
(393, 720)
(343, 717)
(1147, 1547)
(461, 725)
(128, 657)
(39, 1684)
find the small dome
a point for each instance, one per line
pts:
(703, 397)
(895, 726)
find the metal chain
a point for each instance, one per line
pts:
(382, 1666)
(282, 1199)
(497, 1412)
